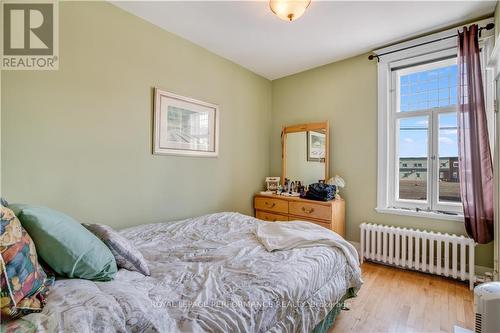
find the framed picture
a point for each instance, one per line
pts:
(184, 126)
(316, 146)
(272, 183)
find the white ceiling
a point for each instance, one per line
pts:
(247, 33)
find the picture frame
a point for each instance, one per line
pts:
(316, 146)
(184, 126)
(272, 184)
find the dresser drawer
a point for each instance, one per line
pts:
(271, 204)
(271, 217)
(311, 210)
(326, 225)
(323, 224)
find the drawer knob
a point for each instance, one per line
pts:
(307, 211)
(270, 205)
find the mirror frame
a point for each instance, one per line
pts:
(305, 128)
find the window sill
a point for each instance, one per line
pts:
(427, 215)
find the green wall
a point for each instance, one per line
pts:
(345, 94)
(79, 139)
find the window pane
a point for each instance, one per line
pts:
(449, 187)
(428, 89)
(413, 160)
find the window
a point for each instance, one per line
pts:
(418, 169)
(424, 118)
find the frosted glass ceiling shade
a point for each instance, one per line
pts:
(289, 10)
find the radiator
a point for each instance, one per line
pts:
(436, 253)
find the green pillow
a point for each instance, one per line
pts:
(65, 245)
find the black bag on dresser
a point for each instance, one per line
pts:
(321, 192)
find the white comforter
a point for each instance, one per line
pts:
(208, 274)
(301, 234)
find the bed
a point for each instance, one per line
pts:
(208, 274)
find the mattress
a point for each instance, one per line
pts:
(208, 274)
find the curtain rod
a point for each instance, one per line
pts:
(489, 26)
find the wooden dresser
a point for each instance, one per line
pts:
(329, 214)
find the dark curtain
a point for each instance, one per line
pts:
(476, 168)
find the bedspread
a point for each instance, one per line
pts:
(208, 274)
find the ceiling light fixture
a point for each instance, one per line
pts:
(289, 10)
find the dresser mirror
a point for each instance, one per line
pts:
(304, 154)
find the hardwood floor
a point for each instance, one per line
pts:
(397, 300)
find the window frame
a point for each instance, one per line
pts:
(432, 202)
(415, 52)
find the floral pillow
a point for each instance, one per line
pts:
(126, 254)
(23, 282)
